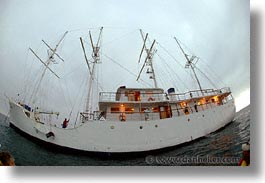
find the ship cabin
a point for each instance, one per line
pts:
(144, 104)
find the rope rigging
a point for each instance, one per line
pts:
(167, 74)
(172, 71)
(124, 68)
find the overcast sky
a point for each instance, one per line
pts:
(217, 31)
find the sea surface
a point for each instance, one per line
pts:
(221, 148)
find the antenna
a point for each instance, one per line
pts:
(190, 63)
(149, 58)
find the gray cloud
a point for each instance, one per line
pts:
(215, 30)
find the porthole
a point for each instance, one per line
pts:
(111, 127)
(203, 115)
(188, 119)
(141, 127)
(156, 126)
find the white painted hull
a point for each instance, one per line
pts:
(123, 137)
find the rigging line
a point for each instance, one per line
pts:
(186, 47)
(166, 73)
(206, 77)
(117, 85)
(210, 73)
(126, 69)
(46, 90)
(24, 72)
(68, 94)
(214, 74)
(82, 29)
(198, 68)
(79, 99)
(72, 71)
(28, 76)
(120, 27)
(119, 38)
(173, 71)
(100, 67)
(172, 57)
(85, 91)
(35, 85)
(82, 88)
(95, 28)
(163, 80)
(169, 54)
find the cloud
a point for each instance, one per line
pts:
(216, 31)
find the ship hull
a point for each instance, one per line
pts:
(115, 137)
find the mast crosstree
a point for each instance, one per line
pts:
(190, 63)
(148, 62)
(46, 64)
(96, 59)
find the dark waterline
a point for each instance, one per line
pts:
(225, 143)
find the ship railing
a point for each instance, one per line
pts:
(197, 94)
(160, 97)
(143, 97)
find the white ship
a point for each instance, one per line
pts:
(131, 119)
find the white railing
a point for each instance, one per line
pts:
(158, 97)
(116, 97)
(197, 94)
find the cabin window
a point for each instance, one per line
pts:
(155, 109)
(129, 110)
(131, 96)
(137, 96)
(122, 109)
(183, 104)
(165, 112)
(115, 109)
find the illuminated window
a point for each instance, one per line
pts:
(115, 109)
(129, 110)
(155, 109)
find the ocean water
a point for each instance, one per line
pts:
(221, 148)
